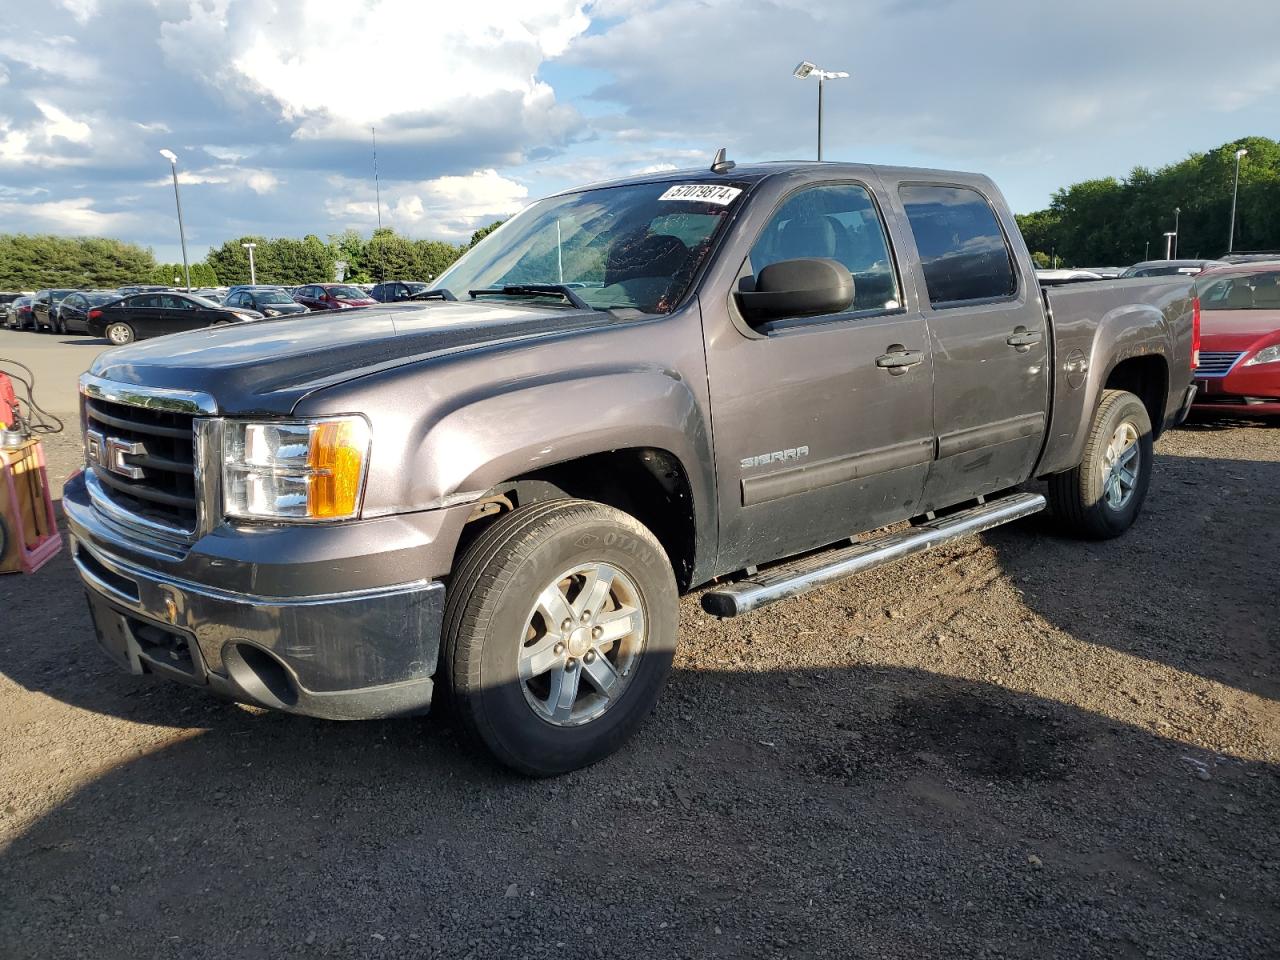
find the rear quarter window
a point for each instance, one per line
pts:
(963, 252)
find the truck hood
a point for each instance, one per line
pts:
(267, 366)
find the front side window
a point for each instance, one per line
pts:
(632, 247)
(837, 222)
(347, 293)
(962, 249)
(170, 302)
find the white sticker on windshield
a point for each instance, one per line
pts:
(703, 193)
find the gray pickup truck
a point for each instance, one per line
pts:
(625, 392)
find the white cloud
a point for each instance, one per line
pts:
(60, 56)
(225, 174)
(450, 207)
(436, 64)
(82, 10)
(61, 126)
(75, 215)
(35, 143)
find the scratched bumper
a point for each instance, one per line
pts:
(357, 654)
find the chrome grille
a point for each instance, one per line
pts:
(1216, 364)
(144, 461)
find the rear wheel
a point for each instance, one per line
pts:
(119, 333)
(559, 633)
(1101, 497)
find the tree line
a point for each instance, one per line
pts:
(1115, 222)
(36, 261)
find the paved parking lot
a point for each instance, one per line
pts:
(1019, 746)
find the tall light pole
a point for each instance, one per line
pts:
(1177, 215)
(253, 274)
(177, 199)
(806, 69)
(1235, 192)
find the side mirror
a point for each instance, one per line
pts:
(807, 287)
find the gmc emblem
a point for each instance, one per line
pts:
(109, 453)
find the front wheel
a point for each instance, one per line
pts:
(1101, 497)
(119, 333)
(559, 633)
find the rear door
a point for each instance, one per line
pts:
(988, 337)
(816, 440)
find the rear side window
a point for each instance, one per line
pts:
(962, 248)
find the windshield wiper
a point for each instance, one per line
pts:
(438, 294)
(535, 290)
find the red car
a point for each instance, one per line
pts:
(1239, 370)
(332, 296)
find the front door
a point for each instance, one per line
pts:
(989, 341)
(816, 440)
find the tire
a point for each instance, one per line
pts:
(495, 622)
(1091, 500)
(118, 333)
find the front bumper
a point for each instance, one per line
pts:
(1247, 390)
(352, 654)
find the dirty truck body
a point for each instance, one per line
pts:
(501, 490)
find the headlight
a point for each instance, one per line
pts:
(271, 312)
(311, 470)
(1269, 354)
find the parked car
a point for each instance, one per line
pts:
(1239, 370)
(332, 296)
(268, 301)
(9, 318)
(18, 315)
(6, 301)
(391, 291)
(1048, 277)
(1106, 273)
(73, 311)
(1169, 268)
(142, 288)
(1251, 256)
(211, 293)
(43, 305)
(145, 315)
(499, 494)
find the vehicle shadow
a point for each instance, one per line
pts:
(86, 340)
(1191, 585)
(847, 812)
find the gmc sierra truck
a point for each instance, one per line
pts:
(630, 390)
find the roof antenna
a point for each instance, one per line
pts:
(720, 164)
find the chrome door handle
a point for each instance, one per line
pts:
(1023, 339)
(899, 359)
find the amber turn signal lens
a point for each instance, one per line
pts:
(335, 460)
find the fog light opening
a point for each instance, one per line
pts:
(261, 675)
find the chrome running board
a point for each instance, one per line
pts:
(799, 577)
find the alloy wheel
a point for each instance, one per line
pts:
(582, 642)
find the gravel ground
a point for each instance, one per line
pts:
(1019, 746)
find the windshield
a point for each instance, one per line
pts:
(273, 296)
(97, 298)
(347, 293)
(635, 247)
(1252, 291)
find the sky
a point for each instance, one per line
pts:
(482, 107)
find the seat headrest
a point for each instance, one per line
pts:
(643, 254)
(808, 235)
(1267, 295)
(1239, 297)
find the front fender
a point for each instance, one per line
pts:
(501, 436)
